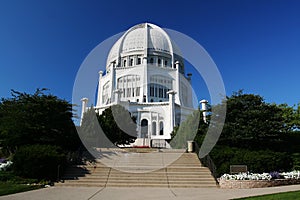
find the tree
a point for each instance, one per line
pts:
(261, 135)
(37, 118)
(297, 117)
(89, 132)
(291, 116)
(248, 118)
(186, 131)
(117, 127)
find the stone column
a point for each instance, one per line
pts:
(171, 94)
(150, 128)
(99, 95)
(117, 94)
(157, 125)
(144, 87)
(138, 122)
(84, 102)
(177, 82)
(112, 84)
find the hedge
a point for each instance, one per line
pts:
(38, 161)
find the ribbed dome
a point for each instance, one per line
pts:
(143, 39)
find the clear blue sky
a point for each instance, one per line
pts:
(254, 43)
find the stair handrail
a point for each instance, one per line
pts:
(207, 162)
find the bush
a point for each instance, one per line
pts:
(6, 176)
(296, 160)
(38, 161)
(256, 161)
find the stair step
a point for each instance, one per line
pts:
(186, 171)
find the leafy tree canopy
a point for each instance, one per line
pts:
(37, 118)
(291, 116)
(249, 117)
(115, 122)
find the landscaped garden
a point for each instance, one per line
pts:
(38, 139)
(262, 136)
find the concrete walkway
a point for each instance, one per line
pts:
(135, 193)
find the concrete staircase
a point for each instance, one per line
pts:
(186, 171)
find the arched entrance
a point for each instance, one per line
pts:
(161, 128)
(144, 128)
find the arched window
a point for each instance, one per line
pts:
(151, 60)
(161, 128)
(139, 61)
(127, 84)
(165, 92)
(151, 90)
(105, 93)
(131, 62)
(160, 92)
(144, 128)
(159, 61)
(153, 128)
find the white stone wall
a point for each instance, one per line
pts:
(142, 66)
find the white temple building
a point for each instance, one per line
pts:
(145, 73)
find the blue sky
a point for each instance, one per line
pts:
(254, 43)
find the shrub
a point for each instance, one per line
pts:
(256, 161)
(6, 176)
(38, 161)
(296, 161)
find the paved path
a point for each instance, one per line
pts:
(134, 193)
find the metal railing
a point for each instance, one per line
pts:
(207, 162)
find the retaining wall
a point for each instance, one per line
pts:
(241, 184)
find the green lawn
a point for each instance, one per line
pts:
(280, 196)
(11, 188)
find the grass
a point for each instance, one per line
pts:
(279, 196)
(11, 183)
(11, 188)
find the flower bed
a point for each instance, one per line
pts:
(247, 176)
(251, 180)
